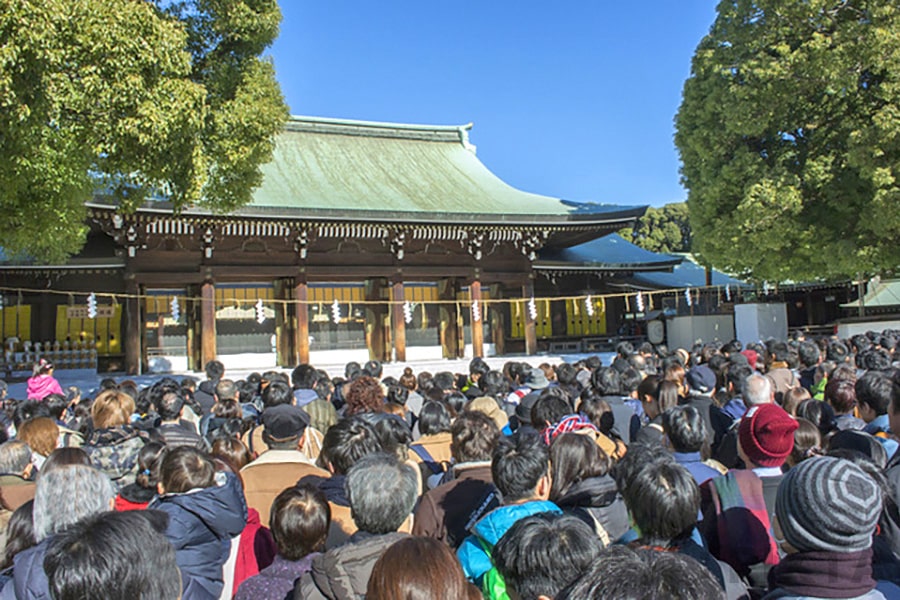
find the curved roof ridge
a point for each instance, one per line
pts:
(437, 133)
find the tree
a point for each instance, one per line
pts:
(665, 229)
(135, 96)
(789, 135)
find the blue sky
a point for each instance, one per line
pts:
(573, 99)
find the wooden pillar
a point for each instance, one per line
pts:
(207, 322)
(809, 309)
(133, 328)
(530, 326)
(449, 329)
(285, 349)
(498, 314)
(191, 310)
(477, 323)
(398, 320)
(301, 331)
(376, 321)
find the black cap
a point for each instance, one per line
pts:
(284, 422)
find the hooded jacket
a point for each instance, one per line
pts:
(202, 523)
(322, 414)
(115, 451)
(205, 395)
(343, 572)
(29, 580)
(41, 386)
(488, 531)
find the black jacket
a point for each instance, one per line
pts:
(597, 500)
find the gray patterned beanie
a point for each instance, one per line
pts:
(828, 504)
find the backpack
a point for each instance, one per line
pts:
(493, 586)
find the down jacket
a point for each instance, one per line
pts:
(202, 523)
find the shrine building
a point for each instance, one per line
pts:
(362, 235)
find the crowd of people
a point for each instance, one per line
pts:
(720, 471)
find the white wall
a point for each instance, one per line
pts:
(682, 332)
(760, 322)
(847, 330)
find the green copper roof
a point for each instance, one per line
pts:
(395, 170)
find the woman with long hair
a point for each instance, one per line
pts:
(581, 485)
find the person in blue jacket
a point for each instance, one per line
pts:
(206, 510)
(521, 471)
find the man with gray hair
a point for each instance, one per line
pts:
(16, 484)
(758, 390)
(382, 492)
(15, 459)
(64, 496)
(755, 391)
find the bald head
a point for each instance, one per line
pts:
(758, 390)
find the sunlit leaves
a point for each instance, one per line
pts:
(788, 134)
(110, 89)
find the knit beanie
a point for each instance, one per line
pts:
(766, 434)
(829, 504)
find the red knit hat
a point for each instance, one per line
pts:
(766, 434)
(752, 357)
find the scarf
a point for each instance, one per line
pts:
(825, 574)
(577, 423)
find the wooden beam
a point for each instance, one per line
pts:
(530, 325)
(207, 322)
(301, 333)
(477, 324)
(167, 279)
(398, 322)
(324, 273)
(133, 329)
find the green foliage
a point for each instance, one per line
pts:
(789, 135)
(665, 229)
(123, 92)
